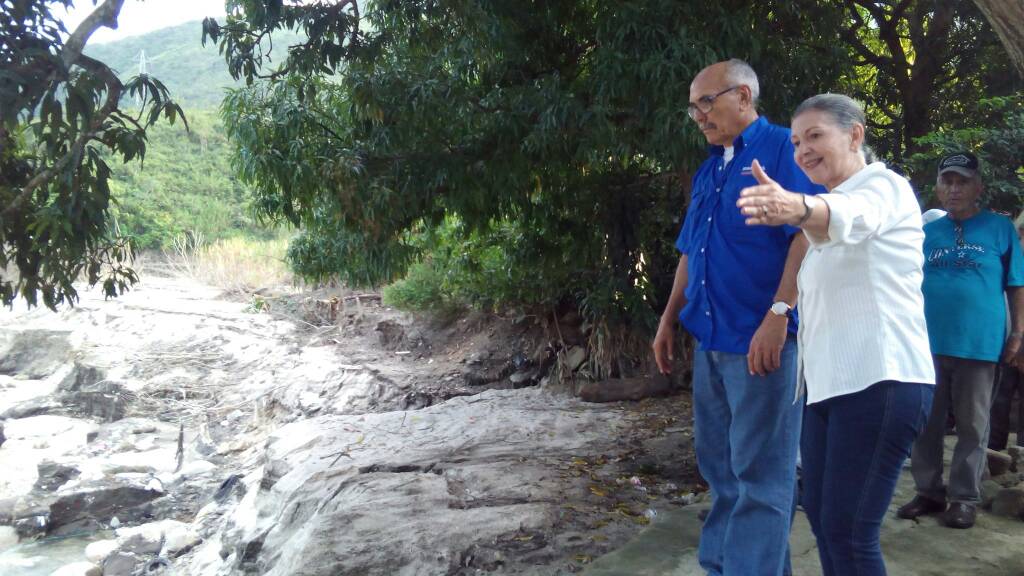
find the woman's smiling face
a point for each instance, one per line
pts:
(823, 150)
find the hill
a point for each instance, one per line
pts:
(195, 74)
(186, 184)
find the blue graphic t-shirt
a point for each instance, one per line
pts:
(968, 266)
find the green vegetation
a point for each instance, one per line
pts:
(492, 154)
(538, 154)
(186, 184)
(996, 135)
(194, 74)
(61, 122)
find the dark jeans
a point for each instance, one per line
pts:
(852, 449)
(1011, 382)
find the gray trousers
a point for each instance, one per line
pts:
(966, 386)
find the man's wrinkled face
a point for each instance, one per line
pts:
(724, 122)
(958, 194)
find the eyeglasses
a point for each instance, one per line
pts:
(705, 104)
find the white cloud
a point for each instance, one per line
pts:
(138, 17)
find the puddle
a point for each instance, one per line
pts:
(41, 557)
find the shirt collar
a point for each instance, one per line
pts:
(859, 176)
(749, 135)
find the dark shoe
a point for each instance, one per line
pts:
(960, 515)
(919, 506)
(703, 514)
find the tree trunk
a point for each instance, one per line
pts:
(1007, 19)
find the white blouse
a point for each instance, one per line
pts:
(861, 306)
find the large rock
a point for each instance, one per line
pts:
(1009, 502)
(998, 462)
(98, 551)
(87, 392)
(989, 490)
(34, 354)
(121, 564)
(31, 407)
(53, 475)
(97, 504)
(441, 490)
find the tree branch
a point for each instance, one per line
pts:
(114, 89)
(104, 15)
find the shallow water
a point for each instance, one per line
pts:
(41, 557)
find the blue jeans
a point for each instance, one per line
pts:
(853, 447)
(747, 431)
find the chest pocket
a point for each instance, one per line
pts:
(727, 209)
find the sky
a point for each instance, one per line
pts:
(138, 17)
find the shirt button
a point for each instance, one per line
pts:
(709, 218)
(701, 250)
(707, 313)
(718, 189)
(702, 282)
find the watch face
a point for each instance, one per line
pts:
(780, 308)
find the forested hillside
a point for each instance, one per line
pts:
(185, 183)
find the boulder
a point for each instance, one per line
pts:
(1009, 502)
(34, 354)
(178, 538)
(417, 503)
(998, 462)
(989, 490)
(141, 540)
(32, 407)
(2, 437)
(98, 551)
(100, 502)
(121, 564)
(53, 475)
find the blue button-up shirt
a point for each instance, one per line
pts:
(733, 269)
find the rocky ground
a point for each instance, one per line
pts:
(178, 430)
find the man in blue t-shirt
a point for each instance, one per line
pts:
(973, 266)
(734, 290)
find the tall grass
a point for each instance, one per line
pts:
(237, 264)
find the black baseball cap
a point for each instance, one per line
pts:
(963, 163)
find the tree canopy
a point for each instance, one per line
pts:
(561, 124)
(61, 113)
(529, 153)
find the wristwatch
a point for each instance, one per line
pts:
(781, 309)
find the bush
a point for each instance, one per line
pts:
(996, 137)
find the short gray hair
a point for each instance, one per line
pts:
(739, 73)
(844, 111)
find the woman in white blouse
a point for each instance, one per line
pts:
(863, 345)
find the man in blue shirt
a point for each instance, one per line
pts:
(973, 265)
(734, 290)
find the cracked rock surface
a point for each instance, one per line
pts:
(287, 442)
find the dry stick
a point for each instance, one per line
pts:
(181, 446)
(563, 353)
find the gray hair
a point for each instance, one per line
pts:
(739, 73)
(844, 111)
